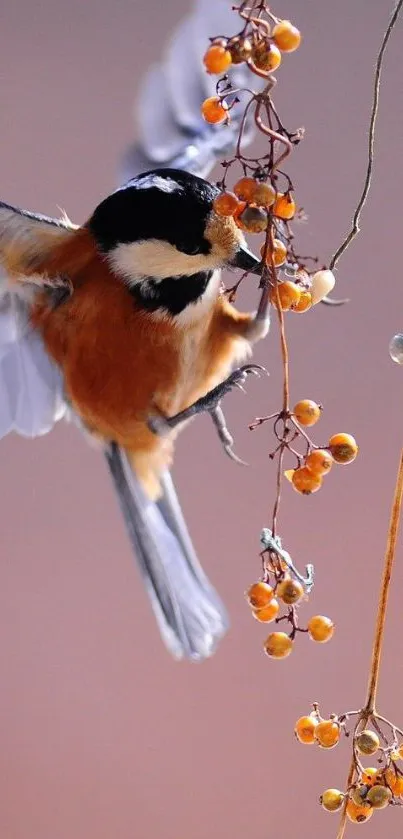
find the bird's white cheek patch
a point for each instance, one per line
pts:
(152, 258)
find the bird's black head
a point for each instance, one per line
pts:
(161, 225)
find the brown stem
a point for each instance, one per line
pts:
(385, 587)
(369, 709)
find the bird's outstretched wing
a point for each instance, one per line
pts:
(170, 130)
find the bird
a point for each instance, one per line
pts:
(122, 325)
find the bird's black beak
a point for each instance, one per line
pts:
(246, 261)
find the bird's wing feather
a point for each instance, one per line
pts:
(31, 387)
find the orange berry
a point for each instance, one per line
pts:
(226, 204)
(358, 812)
(288, 293)
(268, 613)
(217, 59)
(367, 742)
(304, 302)
(319, 461)
(265, 195)
(278, 645)
(238, 213)
(284, 206)
(245, 189)
(305, 730)
(240, 49)
(260, 594)
(306, 412)
(279, 254)
(327, 733)
(266, 56)
(305, 481)
(343, 448)
(371, 776)
(290, 591)
(254, 219)
(320, 628)
(332, 800)
(395, 782)
(214, 111)
(379, 796)
(286, 36)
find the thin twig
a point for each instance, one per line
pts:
(355, 229)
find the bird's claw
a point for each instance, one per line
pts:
(210, 403)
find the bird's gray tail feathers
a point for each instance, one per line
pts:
(190, 615)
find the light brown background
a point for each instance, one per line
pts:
(102, 735)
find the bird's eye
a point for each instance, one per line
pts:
(190, 249)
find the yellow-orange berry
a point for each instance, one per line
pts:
(278, 645)
(266, 56)
(278, 255)
(254, 219)
(327, 733)
(284, 206)
(358, 812)
(367, 742)
(217, 59)
(379, 796)
(332, 800)
(319, 461)
(240, 49)
(290, 591)
(304, 302)
(214, 111)
(305, 730)
(260, 594)
(225, 204)
(320, 628)
(286, 36)
(343, 447)
(305, 482)
(288, 293)
(245, 189)
(264, 195)
(395, 782)
(268, 613)
(306, 412)
(371, 776)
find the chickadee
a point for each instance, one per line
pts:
(126, 314)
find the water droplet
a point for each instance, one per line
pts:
(396, 348)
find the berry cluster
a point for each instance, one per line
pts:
(280, 588)
(262, 201)
(316, 462)
(371, 788)
(253, 205)
(259, 46)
